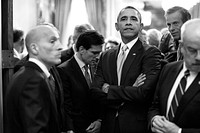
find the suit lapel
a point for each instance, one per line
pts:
(170, 81)
(113, 61)
(52, 96)
(193, 89)
(78, 72)
(133, 53)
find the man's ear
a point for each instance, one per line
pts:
(116, 26)
(34, 48)
(181, 47)
(81, 49)
(141, 26)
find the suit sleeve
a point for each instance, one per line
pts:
(151, 66)
(35, 106)
(96, 92)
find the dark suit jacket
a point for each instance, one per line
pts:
(67, 54)
(30, 104)
(79, 109)
(133, 113)
(188, 113)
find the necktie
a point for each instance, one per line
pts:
(52, 83)
(87, 75)
(120, 62)
(178, 95)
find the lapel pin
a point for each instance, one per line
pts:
(134, 53)
(199, 82)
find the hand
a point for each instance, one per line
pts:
(170, 127)
(161, 125)
(157, 124)
(105, 87)
(140, 80)
(94, 127)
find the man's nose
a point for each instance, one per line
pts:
(60, 46)
(128, 21)
(198, 55)
(171, 28)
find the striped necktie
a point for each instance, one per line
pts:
(87, 75)
(52, 83)
(177, 96)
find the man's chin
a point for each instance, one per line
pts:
(176, 38)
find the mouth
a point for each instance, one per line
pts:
(58, 55)
(174, 34)
(196, 64)
(128, 29)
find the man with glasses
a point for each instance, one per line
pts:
(76, 75)
(171, 111)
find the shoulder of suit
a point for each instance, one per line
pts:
(65, 63)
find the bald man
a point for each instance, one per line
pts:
(171, 112)
(32, 103)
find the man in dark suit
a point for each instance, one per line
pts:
(175, 18)
(126, 102)
(33, 102)
(183, 115)
(81, 113)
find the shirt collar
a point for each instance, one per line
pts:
(41, 65)
(80, 62)
(130, 44)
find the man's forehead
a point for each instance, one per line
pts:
(128, 12)
(173, 16)
(46, 30)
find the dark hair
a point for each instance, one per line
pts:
(184, 13)
(130, 7)
(88, 38)
(112, 41)
(17, 34)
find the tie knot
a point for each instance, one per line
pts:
(124, 48)
(187, 73)
(86, 67)
(51, 78)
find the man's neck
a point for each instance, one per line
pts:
(176, 42)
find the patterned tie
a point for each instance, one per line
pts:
(177, 96)
(87, 75)
(52, 83)
(120, 62)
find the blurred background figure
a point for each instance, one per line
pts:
(18, 44)
(164, 31)
(110, 43)
(70, 41)
(166, 44)
(78, 30)
(153, 37)
(143, 35)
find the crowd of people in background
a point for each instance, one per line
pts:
(147, 81)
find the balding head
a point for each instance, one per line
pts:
(190, 44)
(43, 44)
(37, 33)
(191, 30)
